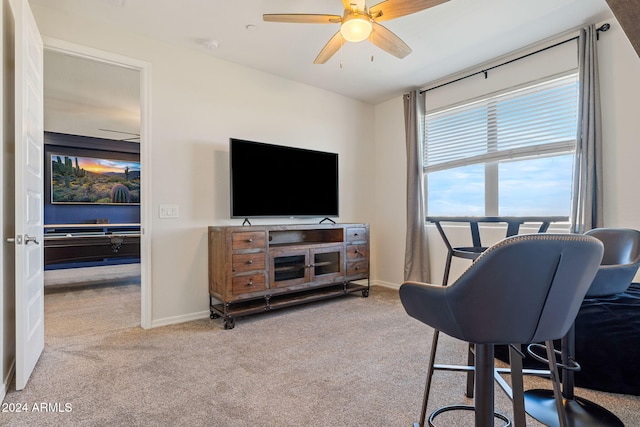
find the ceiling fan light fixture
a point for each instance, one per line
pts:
(356, 27)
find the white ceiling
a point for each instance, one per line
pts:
(445, 39)
(90, 98)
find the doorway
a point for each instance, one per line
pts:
(101, 97)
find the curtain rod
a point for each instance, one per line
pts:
(603, 27)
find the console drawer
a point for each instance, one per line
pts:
(356, 234)
(248, 240)
(248, 283)
(357, 251)
(247, 262)
(358, 268)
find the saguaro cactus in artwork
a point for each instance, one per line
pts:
(78, 171)
(120, 194)
(65, 169)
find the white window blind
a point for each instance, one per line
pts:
(536, 120)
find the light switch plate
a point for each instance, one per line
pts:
(169, 211)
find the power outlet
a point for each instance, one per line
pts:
(169, 211)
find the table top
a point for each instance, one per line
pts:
(513, 227)
(516, 219)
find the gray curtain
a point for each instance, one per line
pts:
(587, 191)
(416, 255)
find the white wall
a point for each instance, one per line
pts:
(620, 83)
(620, 87)
(387, 244)
(197, 104)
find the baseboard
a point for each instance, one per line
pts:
(174, 320)
(7, 380)
(385, 284)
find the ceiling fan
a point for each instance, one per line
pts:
(359, 23)
(134, 138)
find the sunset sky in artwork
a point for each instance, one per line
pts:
(102, 165)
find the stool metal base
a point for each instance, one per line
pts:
(580, 412)
(448, 408)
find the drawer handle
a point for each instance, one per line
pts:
(357, 251)
(355, 234)
(249, 240)
(250, 261)
(250, 282)
(357, 268)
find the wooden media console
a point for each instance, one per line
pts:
(253, 269)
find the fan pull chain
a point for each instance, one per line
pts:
(371, 44)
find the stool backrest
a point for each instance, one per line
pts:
(526, 288)
(621, 245)
(620, 261)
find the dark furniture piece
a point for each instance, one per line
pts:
(253, 269)
(607, 342)
(607, 329)
(76, 245)
(522, 289)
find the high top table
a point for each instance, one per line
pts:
(474, 251)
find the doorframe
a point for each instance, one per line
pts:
(144, 68)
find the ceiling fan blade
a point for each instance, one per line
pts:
(389, 42)
(329, 49)
(391, 9)
(134, 138)
(302, 18)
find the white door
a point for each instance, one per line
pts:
(29, 191)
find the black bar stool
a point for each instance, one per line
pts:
(473, 252)
(523, 289)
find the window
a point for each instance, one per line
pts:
(510, 154)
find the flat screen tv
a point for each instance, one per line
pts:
(276, 181)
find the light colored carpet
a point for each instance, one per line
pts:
(350, 361)
(86, 275)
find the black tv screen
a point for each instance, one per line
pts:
(275, 181)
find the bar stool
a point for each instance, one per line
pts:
(523, 289)
(620, 263)
(472, 252)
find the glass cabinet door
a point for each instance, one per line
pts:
(296, 266)
(289, 267)
(327, 263)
